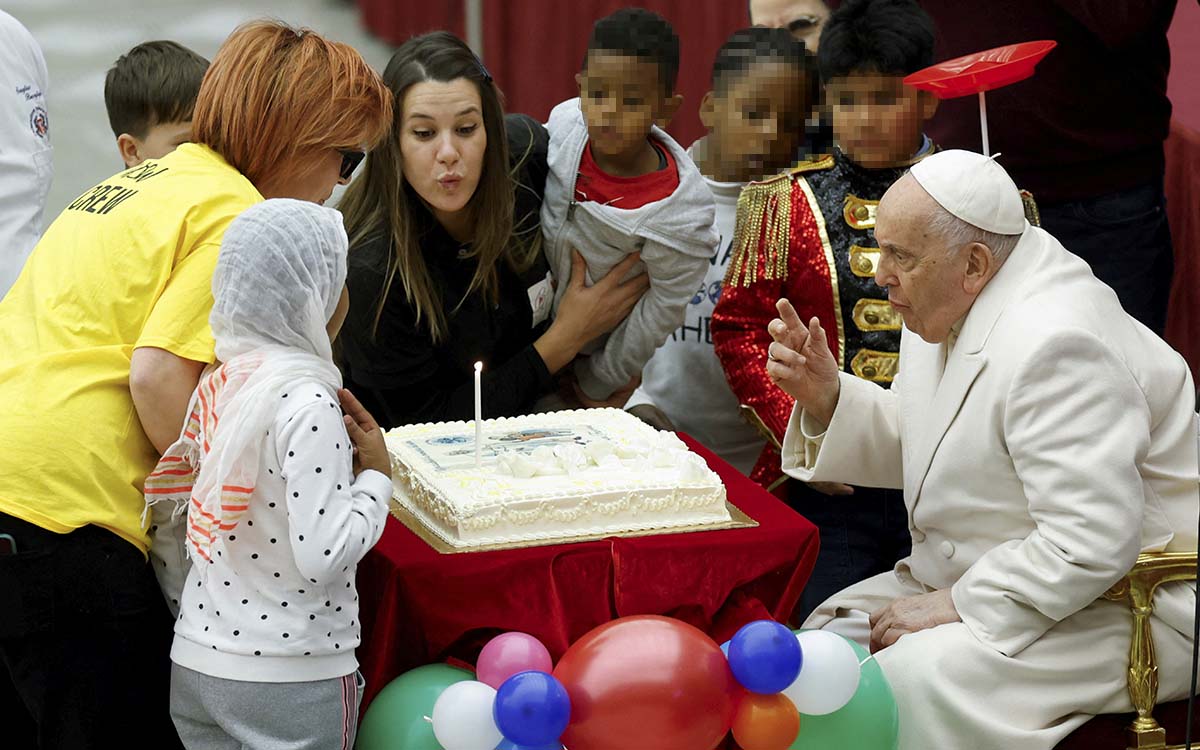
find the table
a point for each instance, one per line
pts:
(419, 606)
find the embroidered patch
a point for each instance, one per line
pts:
(39, 122)
(541, 298)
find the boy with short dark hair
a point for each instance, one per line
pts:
(149, 93)
(808, 236)
(618, 185)
(764, 85)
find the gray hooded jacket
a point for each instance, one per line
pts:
(676, 236)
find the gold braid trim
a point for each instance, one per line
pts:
(1032, 214)
(811, 165)
(764, 216)
(827, 246)
(764, 221)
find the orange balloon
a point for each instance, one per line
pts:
(766, 722)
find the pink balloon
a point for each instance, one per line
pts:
(509, 653)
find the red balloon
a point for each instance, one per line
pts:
(647, 682)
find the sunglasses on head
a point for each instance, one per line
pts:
(350, 162)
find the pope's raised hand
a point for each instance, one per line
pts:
(799, 362)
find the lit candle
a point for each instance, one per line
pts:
(478, 416)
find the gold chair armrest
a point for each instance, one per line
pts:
(1137, 590)
(750, 415)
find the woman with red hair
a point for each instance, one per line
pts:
(104, 336)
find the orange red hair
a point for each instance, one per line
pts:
(276, 95)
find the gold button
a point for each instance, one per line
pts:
(869, 371)
(871, 318)
(864, 263)
(862, 213)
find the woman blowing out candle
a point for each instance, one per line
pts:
(446, 266)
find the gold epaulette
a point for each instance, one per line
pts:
(764, 220)
(811, 165)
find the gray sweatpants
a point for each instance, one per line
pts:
(211, 713)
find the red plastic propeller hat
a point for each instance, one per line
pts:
(981, 71)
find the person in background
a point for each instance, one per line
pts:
(150, 93)
(1084, 134)
(804, 19)
(808, 236)
(26, 157)
(619, 187)
(446, 265)
(764, 85)
(104, 337)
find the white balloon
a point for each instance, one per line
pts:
(462, 717)
(829, 673)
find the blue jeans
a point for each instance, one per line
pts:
(1125, 238)
(861, 535)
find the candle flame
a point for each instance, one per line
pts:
(478, 367)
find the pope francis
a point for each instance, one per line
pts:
(1043, 439)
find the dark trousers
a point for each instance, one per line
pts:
(861, 535)
(1125, 238)
(85, 640)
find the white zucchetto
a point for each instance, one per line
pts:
(974, 188)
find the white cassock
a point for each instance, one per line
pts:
(1039, 453)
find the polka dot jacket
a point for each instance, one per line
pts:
(278, 603)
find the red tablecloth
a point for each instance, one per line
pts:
(419, 606)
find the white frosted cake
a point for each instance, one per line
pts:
(544, 477)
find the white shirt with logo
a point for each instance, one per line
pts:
(684, 379)
(26, 158)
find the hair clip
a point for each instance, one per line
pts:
(487, 77)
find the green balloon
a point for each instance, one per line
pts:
(870, 721)
(396, 718)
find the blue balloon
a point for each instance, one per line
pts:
(532, 709)
(765, 657)
(506, 745)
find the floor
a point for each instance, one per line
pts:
(81, 39)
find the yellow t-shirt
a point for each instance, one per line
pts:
(128, 264)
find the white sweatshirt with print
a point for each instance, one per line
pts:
(278, 603)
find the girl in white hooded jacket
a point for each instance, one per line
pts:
(284, 496)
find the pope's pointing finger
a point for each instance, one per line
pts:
(788, 314)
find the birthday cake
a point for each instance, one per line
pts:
(557, 476)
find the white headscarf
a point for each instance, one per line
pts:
(278, 280)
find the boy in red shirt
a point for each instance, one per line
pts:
(618, 185)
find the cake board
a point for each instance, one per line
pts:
(738, 520)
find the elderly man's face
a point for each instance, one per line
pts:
(928, 286)
(804, 18)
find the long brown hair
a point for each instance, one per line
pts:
(378, 201)
(274, 95)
